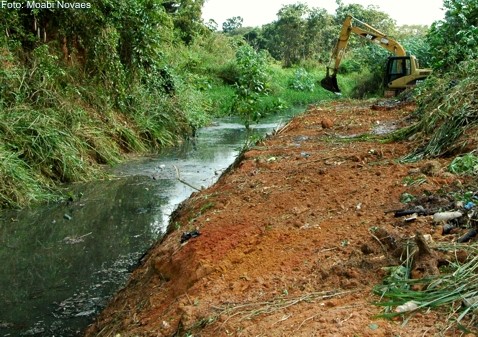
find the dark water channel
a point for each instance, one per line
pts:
(61, 263)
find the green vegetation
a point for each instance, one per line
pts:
(447, 111)
(467, 164)
(80, 88)
(457, 288)
(446, 124)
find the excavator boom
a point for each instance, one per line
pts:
(362, 29)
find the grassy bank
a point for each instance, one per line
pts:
(60, 123)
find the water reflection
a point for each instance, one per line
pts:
(61, 263)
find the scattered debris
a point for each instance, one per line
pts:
(468, 236)
(445, 216)
(71, 240)
(189, 235)
(406, 307)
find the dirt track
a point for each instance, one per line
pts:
(287, 245)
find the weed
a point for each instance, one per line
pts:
(467, 164)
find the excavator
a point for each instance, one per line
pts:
(402, 69)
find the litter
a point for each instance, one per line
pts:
(189, 235)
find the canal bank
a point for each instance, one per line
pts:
(283, 244)
(62, 262)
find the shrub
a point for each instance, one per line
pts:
(302, 81)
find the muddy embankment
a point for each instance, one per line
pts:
(287, 244)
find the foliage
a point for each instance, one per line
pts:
(445, 113)
(467, 164)
(298, 34)
(80, 88)
(232, 24)
(302, 80)
(370, 15)
(252, 82)
(455, 39)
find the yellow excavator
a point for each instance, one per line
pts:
(402, 70)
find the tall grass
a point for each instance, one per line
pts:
(58, 126)
(455, 290)
(59, 123)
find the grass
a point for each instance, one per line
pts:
(448, 290)
(59, 124)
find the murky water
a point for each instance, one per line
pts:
(61, 263)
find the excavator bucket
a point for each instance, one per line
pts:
(330, 82)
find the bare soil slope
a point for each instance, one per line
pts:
(288, 243)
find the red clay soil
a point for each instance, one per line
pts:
(287, 244)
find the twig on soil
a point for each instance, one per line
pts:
(305, 320)
(189, 299)
(253, 309)
(380, 242)
(182, 181)
(284, 128)
(284, 318)
(328, 249)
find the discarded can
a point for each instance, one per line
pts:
(445, 216)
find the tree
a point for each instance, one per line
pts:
(291, 28)
(455, 39)
(370, 15)
(232, 24)
(320, 35)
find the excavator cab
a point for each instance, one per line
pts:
(330, 82)
(397, 66)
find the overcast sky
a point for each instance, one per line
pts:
(259, 12)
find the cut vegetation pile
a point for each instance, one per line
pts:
(447, 116)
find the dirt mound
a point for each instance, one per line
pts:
(287, 244)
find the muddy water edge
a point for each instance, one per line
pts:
(61, 263)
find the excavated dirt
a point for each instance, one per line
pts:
(289, 239)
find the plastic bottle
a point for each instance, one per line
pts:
(445, 216)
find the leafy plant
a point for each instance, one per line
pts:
(252, 82)
(302, 81)
(467, 164)
(455, 39)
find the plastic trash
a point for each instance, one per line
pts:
(189, 235)
(447, 228)
(408, 306)
(468, 236)
(469, 205)
(445, 216)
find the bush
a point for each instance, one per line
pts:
(252, 82)
(302, 81)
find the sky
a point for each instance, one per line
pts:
(259, 12)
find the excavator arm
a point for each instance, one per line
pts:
(365, 31)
